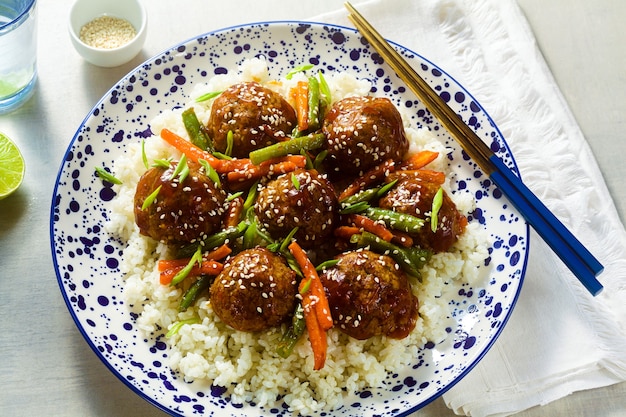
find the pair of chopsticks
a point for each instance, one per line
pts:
(573, 254)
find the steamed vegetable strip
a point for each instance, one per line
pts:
(292, 335)
(394, 220)
(373, 176)
(293, 146)
(270, 167)
(315, 305)
(419, 160)
(171, 276)
(192, 292)
(371, 226)
(300, 97)
(411, 260)
(402, 238)
(215, 255)
(196, 131)
(346, 232)
(313, 104)
(189, 149)
(317, 335)
(436, 177)
(316, 288)
(222, 237)
(235, 210)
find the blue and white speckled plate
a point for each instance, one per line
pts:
(86, 258)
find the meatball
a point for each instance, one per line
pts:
(255, 291)
(370, 295)
(181, 212)
(255, 115)
(413, 194)
(304, 199)
(362, 132)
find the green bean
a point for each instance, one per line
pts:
(197, 133)
(362, 196)
(215, 240)
(192, 292)
(324, 89)
(411, 260)
(314, 104)
(292, 335)
(398, 221)
(292, 146)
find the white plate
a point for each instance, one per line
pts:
(86, 258)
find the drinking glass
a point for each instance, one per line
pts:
(18, 52)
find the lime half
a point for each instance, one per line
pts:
(11, 166)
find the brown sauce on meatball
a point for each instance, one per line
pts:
(254, 114)
(414, 195)
(362, 132)
(255, 291)
(311, 206)
(182, 212)
(369, 295)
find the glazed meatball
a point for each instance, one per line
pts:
(181, 212)
(413, 194)
(304, 199)
(362, 132)
(255, 291)
(369, 295)
(257, 116)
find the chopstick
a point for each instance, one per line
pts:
(569, 249)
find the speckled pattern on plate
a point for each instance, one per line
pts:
(87, 259)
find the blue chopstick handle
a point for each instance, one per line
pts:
(573, 254)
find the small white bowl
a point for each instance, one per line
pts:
(84, 11)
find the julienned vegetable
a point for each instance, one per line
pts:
(196, 131)
(293, 333)
(292, 146)
(411, 260)
(315, 306)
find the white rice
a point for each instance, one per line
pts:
(245, 363)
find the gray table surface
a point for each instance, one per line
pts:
(46, 368)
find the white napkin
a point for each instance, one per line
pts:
(559, 339)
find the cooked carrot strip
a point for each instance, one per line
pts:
(372, 176)
(189, 149)
(425, 174)
(215, 255)
(300, 97)
(315, 287)
(419, 160)
(280, 165)
(233, 215)
(315, 304)
(346, 232)
(371, 226)
(402, 238)
(317, 335)
(207, 268)
(218, 253)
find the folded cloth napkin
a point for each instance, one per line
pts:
(559, 338)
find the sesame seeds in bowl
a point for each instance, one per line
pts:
(108, 33)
